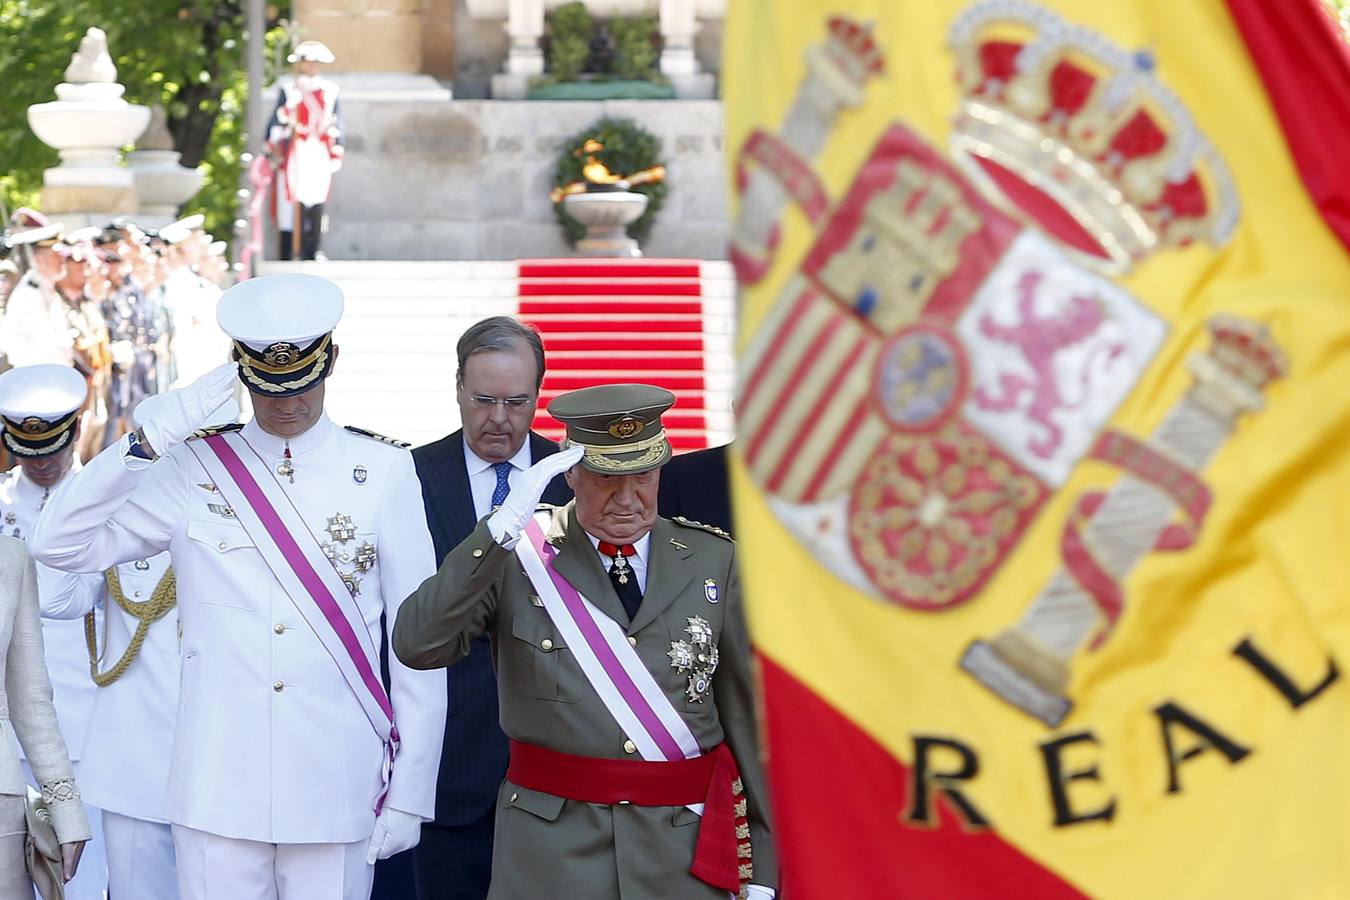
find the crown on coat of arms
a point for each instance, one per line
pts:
(1082, 136)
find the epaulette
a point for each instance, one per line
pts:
(378, 437)
(711, 529)
(216, 429)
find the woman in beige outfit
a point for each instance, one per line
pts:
(26, 712)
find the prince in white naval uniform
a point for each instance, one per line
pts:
(40, 414)
(277, 787)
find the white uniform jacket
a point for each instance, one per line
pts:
(125, 767)
(34, 328)
(63, 643)
(271, 743)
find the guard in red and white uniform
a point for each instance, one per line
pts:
(304, 136)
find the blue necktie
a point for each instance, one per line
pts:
(503, 470)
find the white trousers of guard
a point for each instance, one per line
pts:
(211, 867)
(140, 858)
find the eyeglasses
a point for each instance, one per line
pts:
(514, 404)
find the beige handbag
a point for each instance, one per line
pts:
(42, 851)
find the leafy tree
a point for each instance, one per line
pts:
(187, 55)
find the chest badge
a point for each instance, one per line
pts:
(225, 512)
(208, 487)
(142, 565)
(10, 518)
(340, 528)
(696, 658)
(710, 590)
(359, 474)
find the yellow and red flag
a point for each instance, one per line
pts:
(1041, 472)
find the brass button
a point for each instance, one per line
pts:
(514, 796)
(279, 628)
(546, 644)
(221, 545)
(625, 802)
(477, 553)
(633, 641)
(629, 747)
(278, 686)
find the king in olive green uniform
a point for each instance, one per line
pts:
(687, 630)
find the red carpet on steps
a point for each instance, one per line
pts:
(613, 320)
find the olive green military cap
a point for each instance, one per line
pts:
(618, 424)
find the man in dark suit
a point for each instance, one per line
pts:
(697, 486)
(464, 476)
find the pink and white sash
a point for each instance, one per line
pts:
(611, 665)
(294, 557)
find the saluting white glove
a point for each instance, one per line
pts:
(513, 515)
(168, 419)
(395, 831)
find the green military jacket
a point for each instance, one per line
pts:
(548, 845)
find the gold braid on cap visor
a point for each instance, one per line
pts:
(317, 360)
(47, 450)
(652, 449)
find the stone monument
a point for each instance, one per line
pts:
(88, 124)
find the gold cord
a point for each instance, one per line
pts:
(162, 599)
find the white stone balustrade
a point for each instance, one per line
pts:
(679, 23)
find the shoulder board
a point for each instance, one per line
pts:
(377, 437)
(711, 529)
(216, 429)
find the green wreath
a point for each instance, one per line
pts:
(629, 148)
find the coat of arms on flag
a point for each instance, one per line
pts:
(1018, 319)
(953, 346)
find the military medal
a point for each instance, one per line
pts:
(710, 590)
(208, 487)
(286, 468)
(621, 567)
(696, 657)
(340, 528)
(224, 512)
(9, 518)
(365, 557)
(359, 474)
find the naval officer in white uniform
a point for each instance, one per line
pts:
(40, 413)
(277, 787)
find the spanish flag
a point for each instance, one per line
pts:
(1042, 470)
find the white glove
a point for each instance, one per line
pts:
(513, 515)
(395, 831)
(335, 164)
(172, 417)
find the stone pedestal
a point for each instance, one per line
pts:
(607, 216)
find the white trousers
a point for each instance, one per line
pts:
(91, 878)
(140, 858)
(211, 867)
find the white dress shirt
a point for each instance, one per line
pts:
(483, 478)
(638, 561)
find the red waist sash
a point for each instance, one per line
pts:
(722, 855)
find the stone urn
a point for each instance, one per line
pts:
(88, 124)
(606, 215)
(162, 184)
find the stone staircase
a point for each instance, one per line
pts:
(665, 322)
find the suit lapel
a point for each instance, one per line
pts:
(668, 572)
(458, 495)
(578, 562)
